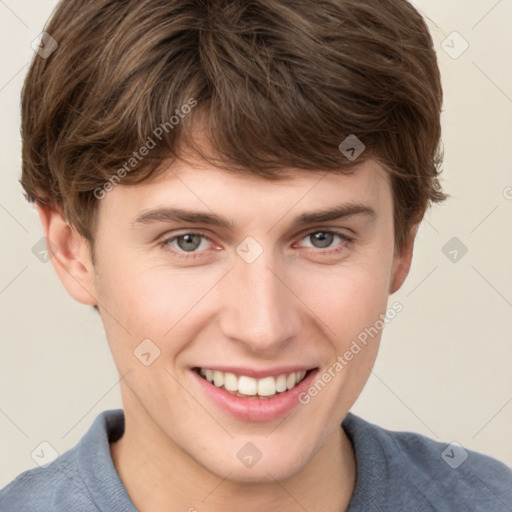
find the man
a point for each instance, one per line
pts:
(293, 146)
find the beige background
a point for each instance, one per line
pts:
(444, 368)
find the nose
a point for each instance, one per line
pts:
(258, 306)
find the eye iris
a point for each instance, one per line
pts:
(324, 238)
(189, 237)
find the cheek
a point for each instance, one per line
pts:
(132, 301)
(154, 303)
(346, 299)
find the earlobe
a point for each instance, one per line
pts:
(70, 255)
(402, 263)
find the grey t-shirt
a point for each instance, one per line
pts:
(396, 472)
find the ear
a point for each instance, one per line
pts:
(402, 262)
(69, 253)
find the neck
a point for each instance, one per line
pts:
(161, 473)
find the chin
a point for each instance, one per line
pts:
(278, 466)
(264, 475)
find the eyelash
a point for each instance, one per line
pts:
(165, 244)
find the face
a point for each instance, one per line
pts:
(247, 296)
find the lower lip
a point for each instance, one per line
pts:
(256, 409)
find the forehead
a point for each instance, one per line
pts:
(202, 187)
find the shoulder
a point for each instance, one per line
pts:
(39, 489)
(72, 480)
(429, 474)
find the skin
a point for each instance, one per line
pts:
(299, 302)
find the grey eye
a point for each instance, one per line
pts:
(189, 242)
(323, 238)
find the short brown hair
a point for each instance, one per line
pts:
(274, 83)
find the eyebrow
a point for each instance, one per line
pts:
(197, 217)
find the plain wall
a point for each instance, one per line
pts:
(444, 367)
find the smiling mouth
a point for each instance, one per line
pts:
(248, 387)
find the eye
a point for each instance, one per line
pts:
(323, 239)
(191, 244)
(184, 243)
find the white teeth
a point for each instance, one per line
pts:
(230, 382)
(290, 381)
(244, 385)
(281, 383)
(267, 386)
(218, 378)
(247, 385)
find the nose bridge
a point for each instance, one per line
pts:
(259, 309)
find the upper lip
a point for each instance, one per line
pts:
(258, 374)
